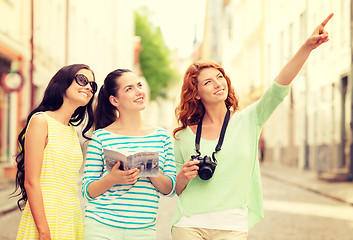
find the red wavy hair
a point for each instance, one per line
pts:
(190, 110)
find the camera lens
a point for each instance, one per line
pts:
(205, 173)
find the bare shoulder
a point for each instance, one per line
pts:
(38, 123)
(39, 118)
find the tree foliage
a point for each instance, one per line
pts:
(155, 59)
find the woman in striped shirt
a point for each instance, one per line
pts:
(122, 205)
(50, 157)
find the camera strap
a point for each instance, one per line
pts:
(221, 136)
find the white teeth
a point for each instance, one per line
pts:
(219, 92)
(83, 93)
(139, 100)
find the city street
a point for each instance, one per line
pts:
(286, 66)
(291, 213)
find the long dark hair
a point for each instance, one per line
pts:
(53, 100)
(105, 113)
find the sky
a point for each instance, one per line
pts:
(178, 21)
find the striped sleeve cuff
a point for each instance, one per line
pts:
(172, 192)
(85, 193)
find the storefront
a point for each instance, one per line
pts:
(11, 83)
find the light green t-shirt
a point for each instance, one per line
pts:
(236, 182)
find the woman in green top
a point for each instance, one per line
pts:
(219, 187)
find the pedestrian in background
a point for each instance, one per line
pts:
(122, 205)
(262, 147)
(219, 190)
(50, 157)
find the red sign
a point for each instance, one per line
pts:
(12, 81)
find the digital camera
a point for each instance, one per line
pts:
(206, 166)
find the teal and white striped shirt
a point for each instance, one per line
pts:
(131, 206)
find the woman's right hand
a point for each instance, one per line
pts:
(123, 176)
(188, 172)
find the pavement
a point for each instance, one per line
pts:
(341, 191)
(309, 180)
(7, 187)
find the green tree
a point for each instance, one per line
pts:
(155, 59)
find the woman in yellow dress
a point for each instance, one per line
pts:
(50, 157)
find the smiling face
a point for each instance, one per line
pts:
(131, 94)
(80, 94)
(212, 87)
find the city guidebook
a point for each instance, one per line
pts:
(146, 162)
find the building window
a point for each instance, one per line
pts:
(5, 65)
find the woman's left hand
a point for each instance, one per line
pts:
(319, 36)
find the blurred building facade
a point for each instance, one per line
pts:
(311, 129)
(38, 37)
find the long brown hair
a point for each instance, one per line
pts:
(190, 110)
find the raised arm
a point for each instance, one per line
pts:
(291, 69)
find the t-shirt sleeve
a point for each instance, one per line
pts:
(169, 164)
(272, 97)
(179, 160)
(94, 165)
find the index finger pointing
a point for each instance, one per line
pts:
(326, 20)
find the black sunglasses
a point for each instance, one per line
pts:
(82, 80)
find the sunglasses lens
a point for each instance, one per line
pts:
(81, 79)
(93, 86)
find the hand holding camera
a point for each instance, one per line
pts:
(206, 166)
(188, 172)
